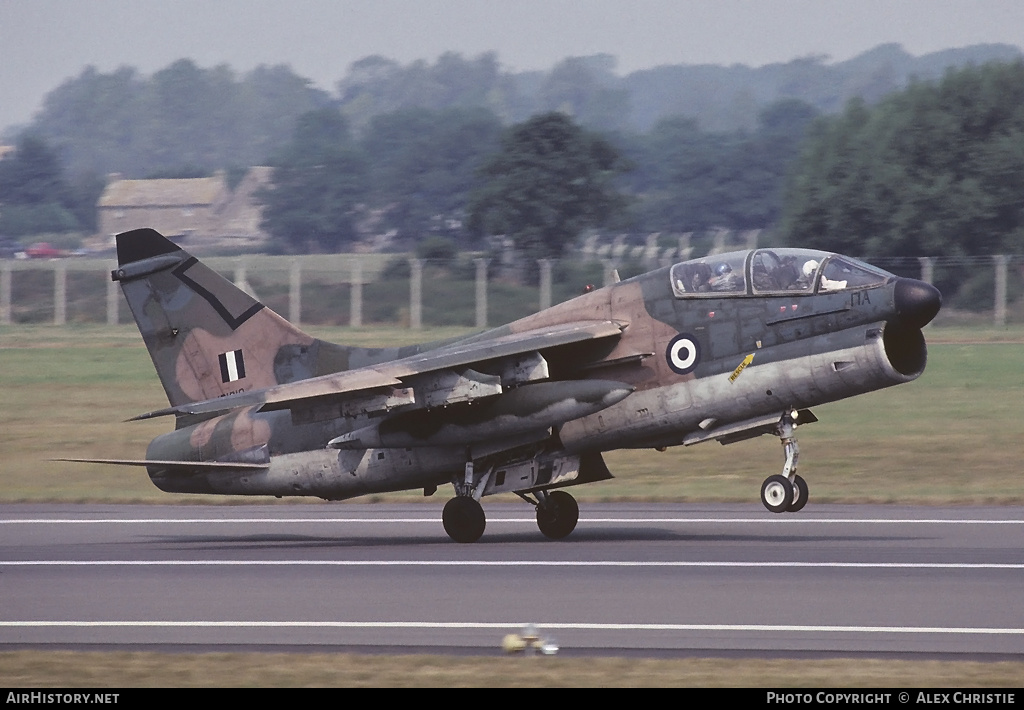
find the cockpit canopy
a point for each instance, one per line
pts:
(767, 271)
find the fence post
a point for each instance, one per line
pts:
(415, 294)
(5, 294)
(60, 293)
(651, 251)
(545, 283)
(752, 236)
(685, 249)
(355, 315)
(1002, 261)
(112, 303)
(481, 292)
(610, 272)
(718, 241)
(242, 277)
(295, 292)
(927, 269)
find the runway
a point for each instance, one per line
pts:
(649, 579)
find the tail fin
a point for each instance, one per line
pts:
(208, 338)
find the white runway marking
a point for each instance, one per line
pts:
(516, 625)
(531, 520)
(506, 563)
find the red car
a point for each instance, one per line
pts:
(43, 250)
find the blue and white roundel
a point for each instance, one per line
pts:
(683, 353)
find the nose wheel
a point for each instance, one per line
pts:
(782, 495)
(800, 494)
(777, 493)
(786, 492)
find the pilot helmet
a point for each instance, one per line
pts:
(810, 266)
(723, 269)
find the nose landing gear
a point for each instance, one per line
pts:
(786, 492)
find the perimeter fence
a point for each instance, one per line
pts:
(387, 289)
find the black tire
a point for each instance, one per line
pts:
(800, 494)
(558, 516)
(463, 519)
(777, 493)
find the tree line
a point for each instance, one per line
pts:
(933, 169)
(460, 173)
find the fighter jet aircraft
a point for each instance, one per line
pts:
(723, 348)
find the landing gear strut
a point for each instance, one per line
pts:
(786, 492)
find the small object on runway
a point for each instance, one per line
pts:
(528, 642)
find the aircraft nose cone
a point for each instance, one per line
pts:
(916, 302)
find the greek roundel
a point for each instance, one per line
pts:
(683, 353)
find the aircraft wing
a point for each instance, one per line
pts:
(433, 378)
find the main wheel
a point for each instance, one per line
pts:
(777, 493)
(463, 519)
(558, 516)
(800, 494)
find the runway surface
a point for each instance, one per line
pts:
(632, 578)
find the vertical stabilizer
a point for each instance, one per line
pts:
(207, 337)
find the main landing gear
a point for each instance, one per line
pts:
(786, 492)
(557, 513)
(464, 520)
(463, 516)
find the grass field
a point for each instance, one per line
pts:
(953, 436)
(35, 669)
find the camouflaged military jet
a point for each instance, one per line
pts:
(723, 348)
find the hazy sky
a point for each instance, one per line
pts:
(43, 42)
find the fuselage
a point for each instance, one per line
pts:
(698, 355)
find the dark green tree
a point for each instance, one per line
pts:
(376, 85)
(681, 176)
(587, 89)
(691, 180)
(34, 196)
(271, 100)
(424, 165)
(935, 169)
(550, 181)
(182, 115)
(318, 182)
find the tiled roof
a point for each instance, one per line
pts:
(162, 193)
